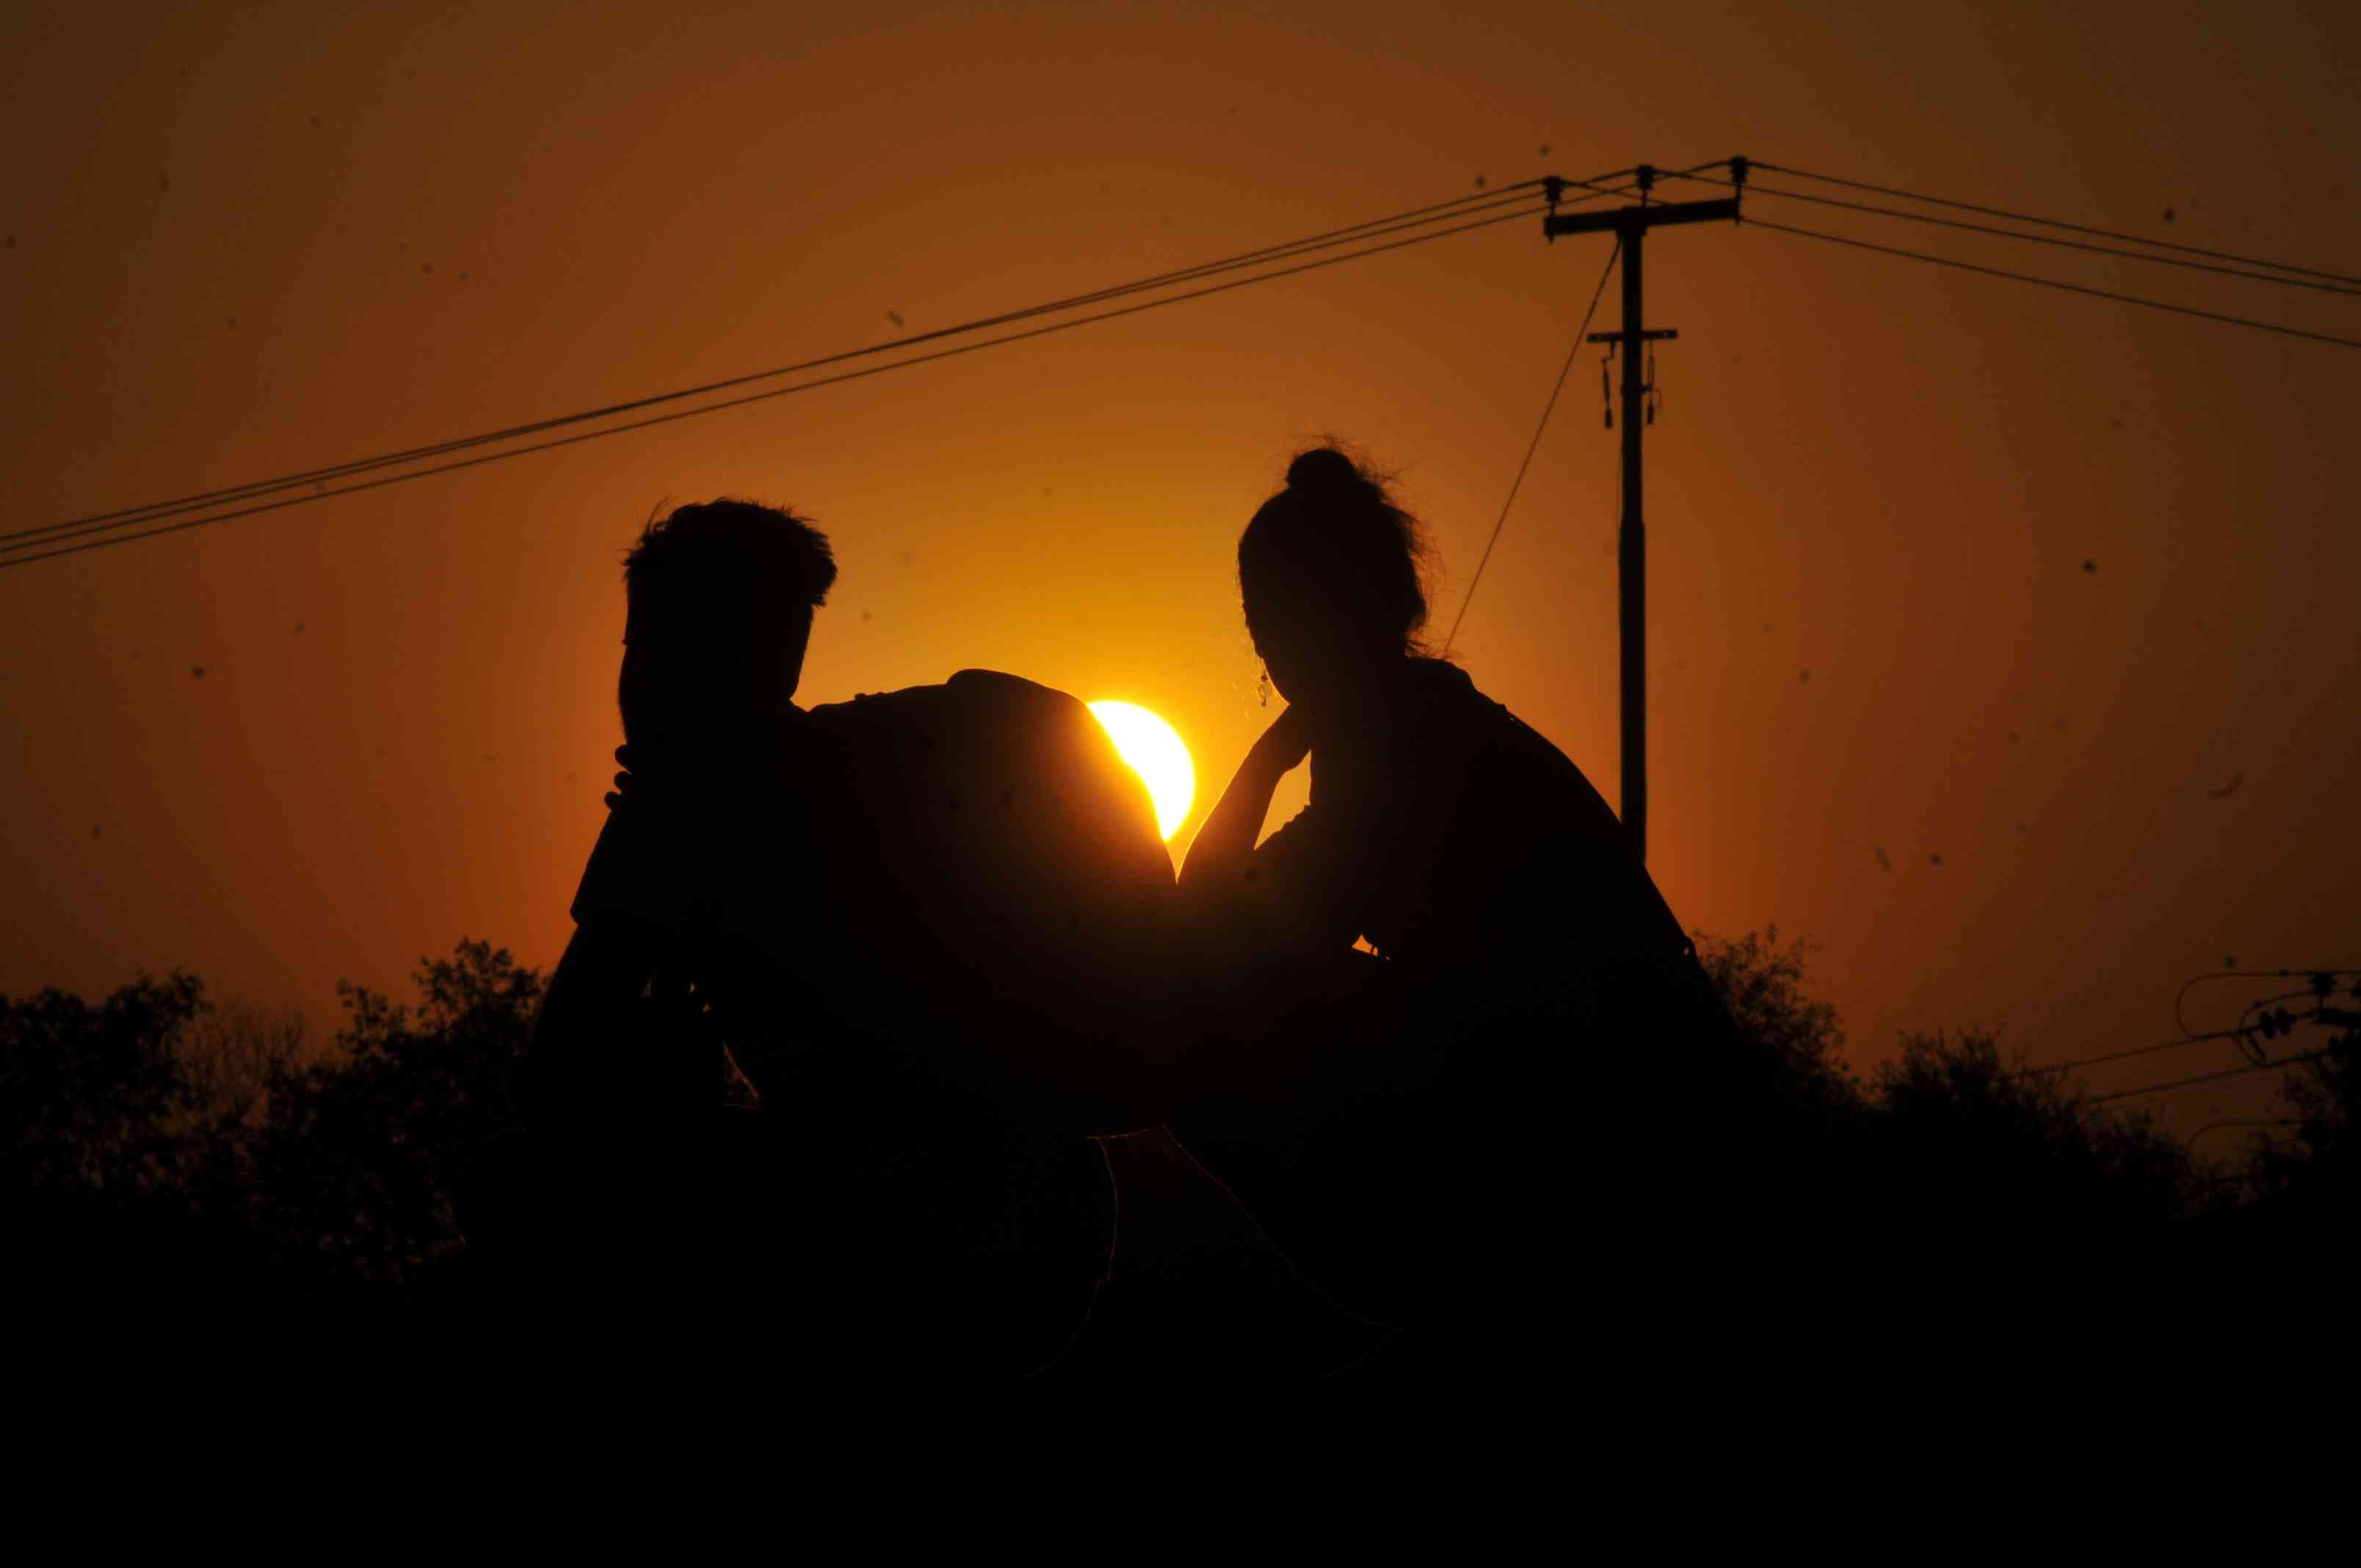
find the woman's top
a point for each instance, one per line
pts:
(1487, 1103)
(1453, 837)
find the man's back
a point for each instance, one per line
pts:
(927, 924)
(967, 876)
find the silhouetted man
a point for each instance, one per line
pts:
(721, 600)
(925, 925)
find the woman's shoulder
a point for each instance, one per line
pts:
(1445, 704)
(1496, 748)
(1451, 712)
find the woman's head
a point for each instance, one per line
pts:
(1329, 571)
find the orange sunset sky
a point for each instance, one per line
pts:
(248, 239)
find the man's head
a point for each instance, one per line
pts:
(721, 597)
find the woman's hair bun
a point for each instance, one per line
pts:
(1333, 552)
(1324, 468)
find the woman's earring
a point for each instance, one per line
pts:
(1262, 687)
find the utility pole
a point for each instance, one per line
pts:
(1631, 225)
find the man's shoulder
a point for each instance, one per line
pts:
(990, 696)
(1032, 754)
(867, 707)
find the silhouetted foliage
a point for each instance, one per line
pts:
(2317, 1164)
(229, 1056)
(358, 1157)
(154, 1141)
(94, 1099)
(1763, 986)
(231, 1053)
(1947, 1139)
(1981, 1145)
(153, 1138)
(120, 1182)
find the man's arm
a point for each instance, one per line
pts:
(598, 1046)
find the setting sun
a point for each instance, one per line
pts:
(1155, 750)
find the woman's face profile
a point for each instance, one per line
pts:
(1303, 655)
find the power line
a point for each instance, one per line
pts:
(1753, 188)
(1370, 229)
(2124, 1056)
(436, 449)
(1535, 445)
(1524, 211)
(2059, 283)
(2210, 1077)
(1352, 233)
(2180, 997)
(2243, 1030)
(2053, 222)
(2190, 1141)
(2262, 1002)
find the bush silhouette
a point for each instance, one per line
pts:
(356, 1163)
(1763, 986)
(1981, 1145)
(152, 1144)
(160, 1152)
(94, 1105)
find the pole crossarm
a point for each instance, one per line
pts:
(1624, 220)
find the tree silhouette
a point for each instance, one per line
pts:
(361, 1151)
(90, 1097)
(1763, 986)
(117, 1189)
(1981, 1145)
(2317, 1167)
(164, 1156)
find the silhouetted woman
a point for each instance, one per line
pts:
(1498, 1117)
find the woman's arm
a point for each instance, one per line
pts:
(1300, 893)
(1273, 912)
(1219, 853)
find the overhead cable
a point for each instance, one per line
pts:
(1532, 210)
(2124, 1055)
(2053, 222)
(2180, 997)
(2059, 283)
(1580, 333)
(1756, 188)
(2209, 1077)
(30, 537)
(2190, 1141)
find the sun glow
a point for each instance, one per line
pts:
(1155, 751)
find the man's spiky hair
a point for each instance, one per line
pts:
(703, 558)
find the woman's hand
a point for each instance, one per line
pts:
(1226, 842)
(1287, 742)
